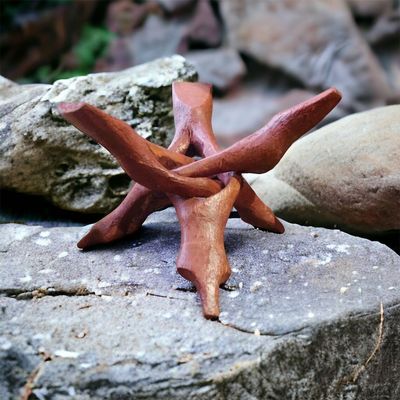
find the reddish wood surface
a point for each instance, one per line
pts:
(203, 192)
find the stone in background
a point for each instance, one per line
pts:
(316, 42)
(346, 174)
(41, 153)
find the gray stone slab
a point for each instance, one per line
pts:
(301, 315)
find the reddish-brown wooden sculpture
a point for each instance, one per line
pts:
(203, 192)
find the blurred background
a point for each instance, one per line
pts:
(261, 56)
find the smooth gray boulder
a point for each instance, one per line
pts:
(301, 317)
(41, 153)
(346, 174)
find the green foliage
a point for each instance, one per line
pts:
(92, 45)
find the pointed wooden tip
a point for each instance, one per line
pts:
(94, 237)
(331, 95)
(277, 227)
(85, 242)
(66, 108)
(209, 295)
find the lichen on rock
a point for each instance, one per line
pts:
(42, 154)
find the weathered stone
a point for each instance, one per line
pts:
(315, 41)
(246, 110)
(346, 174)
(370, 8)
(157, 37)
(164, 35)
(43, 154)
(386, 28)
(175, 6)
(301, 317)
(222, 67)
(204, 27)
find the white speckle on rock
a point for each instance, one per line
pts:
(42, 336)
(21, 233)
(44, 234)
(326, 260)
(343, 289)
(106, 297)
(85, 365)
(271, 316)
(255, 286)
(240, 285)
(5, 344)
(354, 272)
(117, 258)
(310, 315)
(265, 251)
(391, 288)
(375, 267)
(46, 271)
(234, 294)
(359, 290)
(104, 284)
(257, 332)
(235, 270)
(25, 279)
(43, 241)
(63, 254)
(305, 284)
(66, 354)
(340, 248)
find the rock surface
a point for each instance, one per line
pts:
(315, 41)
(223, 68)
(301, 317)
(345, 174)
(248, 109)
(40, 153)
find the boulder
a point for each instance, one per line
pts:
(370, 8)
(222, 67)
(316, 42)
(41, 153)
(247, 109)
(184, 24)
(346, 174)
(309, 314)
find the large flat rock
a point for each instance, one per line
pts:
(301, 315)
